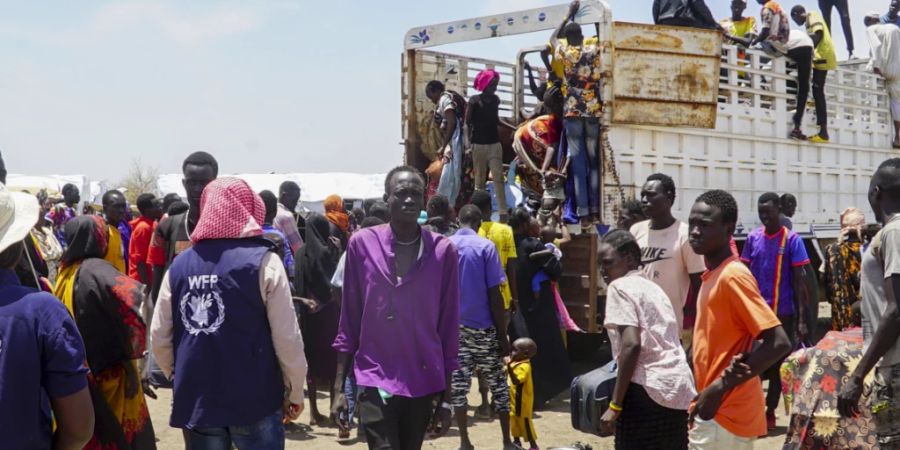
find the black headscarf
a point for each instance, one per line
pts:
(316, 261)
(88, 237)
(537, 318)
(105, 302)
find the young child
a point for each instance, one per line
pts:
(521, 389)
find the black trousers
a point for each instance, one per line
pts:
(843, 11)
(773, 374)
(818, 88)
(398, 423)
(647, 425)
(802, 57)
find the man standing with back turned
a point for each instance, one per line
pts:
(824, 59)
(399, 327)
(224, 329)
(482, 335)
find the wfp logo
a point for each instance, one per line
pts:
(202, 309)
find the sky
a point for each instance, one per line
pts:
(266, 86)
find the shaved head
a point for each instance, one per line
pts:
(887, 177)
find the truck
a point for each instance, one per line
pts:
(677, 101)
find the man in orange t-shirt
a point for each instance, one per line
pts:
(729, 412)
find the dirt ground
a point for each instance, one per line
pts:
(553, 427)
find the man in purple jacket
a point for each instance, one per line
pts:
(399, 327)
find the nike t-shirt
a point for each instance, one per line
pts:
(669, 260)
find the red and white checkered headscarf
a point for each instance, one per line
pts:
(229, 209)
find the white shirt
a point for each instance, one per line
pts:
(669, 260)
(799, 39)
(662, 367)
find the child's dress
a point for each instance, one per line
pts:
(521, 389)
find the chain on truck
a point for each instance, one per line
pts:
(677, 101)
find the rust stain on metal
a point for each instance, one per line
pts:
(665, 76)
(652, 40)
(690, 80)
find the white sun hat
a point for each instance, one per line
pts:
(18, 215)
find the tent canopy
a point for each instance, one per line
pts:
(314, 187)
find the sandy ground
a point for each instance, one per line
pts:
(553, 427)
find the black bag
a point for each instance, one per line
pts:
(591, 394)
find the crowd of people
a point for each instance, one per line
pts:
(352, 308)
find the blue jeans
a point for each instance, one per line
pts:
(350, 392)
(451, 175)
(583, 138)
(267, 434)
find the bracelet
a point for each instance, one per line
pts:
(613, 406)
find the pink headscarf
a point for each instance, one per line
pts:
(484, 78)
(229, 209)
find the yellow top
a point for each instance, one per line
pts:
(521, 388)
(502, 237)
(115, 253)
(825, 58)
(557, 65)
(739, 28)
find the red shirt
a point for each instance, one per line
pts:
(142, 233)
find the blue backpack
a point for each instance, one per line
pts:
(591, 394)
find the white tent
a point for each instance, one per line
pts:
(314, 187)
(52, 183)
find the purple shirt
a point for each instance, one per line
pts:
(479, 270)
(404, 334)
(41, 357)
(761, 254)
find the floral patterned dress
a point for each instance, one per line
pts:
(811, 378)
(842, 268)
(581, 64)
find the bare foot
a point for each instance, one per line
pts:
(317, 419)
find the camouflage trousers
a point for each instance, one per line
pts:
(885, 405)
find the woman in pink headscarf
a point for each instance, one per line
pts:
(482, 120)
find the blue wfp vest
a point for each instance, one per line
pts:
(226, 370)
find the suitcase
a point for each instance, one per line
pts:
(591, 394)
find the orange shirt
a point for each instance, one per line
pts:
(731, 313)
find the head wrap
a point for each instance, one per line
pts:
(852, 221)
(334, 211)
(316, 260)
(484, 78)
(88, 237)
(229, 209)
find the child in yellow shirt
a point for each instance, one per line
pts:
(522, 391)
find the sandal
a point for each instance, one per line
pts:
(797, 135)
